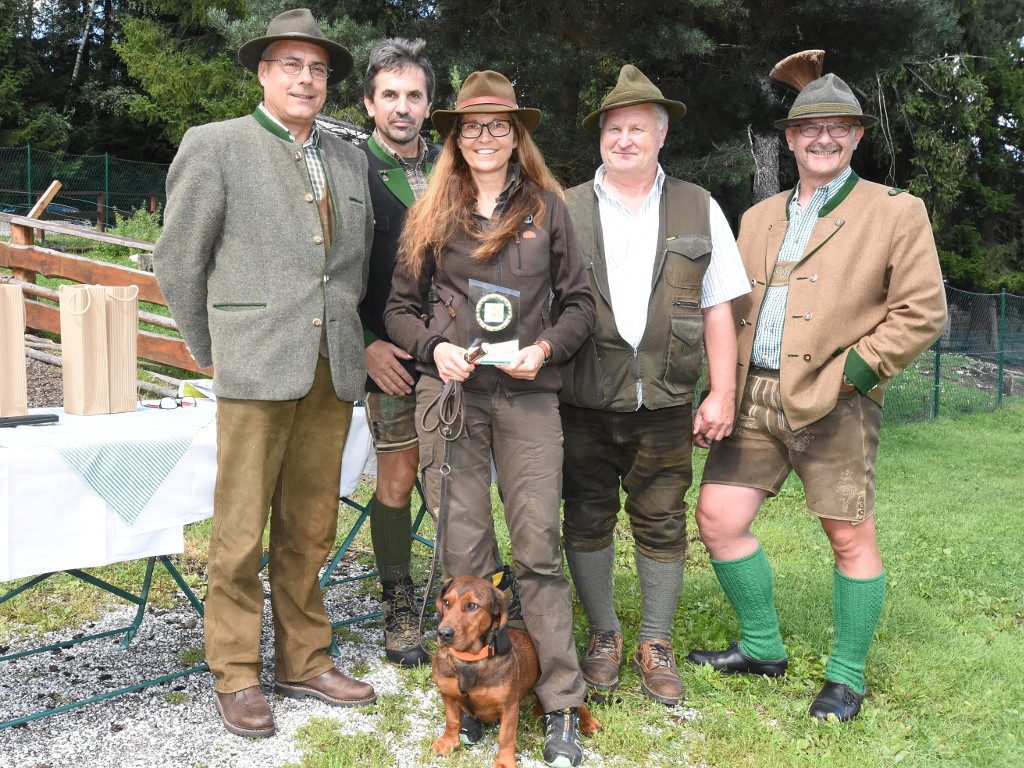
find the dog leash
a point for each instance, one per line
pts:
(450, 420)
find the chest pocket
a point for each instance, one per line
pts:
(530, 251)
(686, 259)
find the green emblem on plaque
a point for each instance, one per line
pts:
(493, 312)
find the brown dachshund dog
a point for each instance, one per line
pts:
(482, 667)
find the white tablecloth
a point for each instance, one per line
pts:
(51, 519)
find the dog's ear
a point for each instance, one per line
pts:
(440, 596)
(500, 637)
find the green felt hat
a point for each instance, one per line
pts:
(297, 24)
(633, 88)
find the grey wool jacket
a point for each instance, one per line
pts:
(243, 267)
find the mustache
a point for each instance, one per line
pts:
(400, 116)
(818, 149)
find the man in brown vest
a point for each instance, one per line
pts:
(846, 293)
(263, 263)
(664, 268)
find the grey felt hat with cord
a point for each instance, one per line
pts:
(632, 88)
(819, 96)
(297, 24)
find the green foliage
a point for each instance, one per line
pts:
(141, 225)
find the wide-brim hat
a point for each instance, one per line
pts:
(828, 96)
(632, 88)
(486, 91)
(297, 24)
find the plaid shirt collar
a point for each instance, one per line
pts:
(310, 148)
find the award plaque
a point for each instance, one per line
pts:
(496, 315)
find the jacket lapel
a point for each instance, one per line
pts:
(393, 177)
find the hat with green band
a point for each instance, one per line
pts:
(818, 95)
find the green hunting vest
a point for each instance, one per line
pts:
(604, 373)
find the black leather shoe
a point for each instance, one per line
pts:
(733, 661)
(836, 699)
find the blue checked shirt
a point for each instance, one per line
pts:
(768, 336)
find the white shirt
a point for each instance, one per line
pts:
(631, 248)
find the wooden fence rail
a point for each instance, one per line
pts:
(27, 261)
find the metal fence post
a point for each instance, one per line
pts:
(1001, 335)
(106, 189)
(28, 175)
(937, 386)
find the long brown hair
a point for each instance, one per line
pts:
(446, 209)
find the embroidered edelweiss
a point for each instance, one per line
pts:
(846, 489)
(801, 440)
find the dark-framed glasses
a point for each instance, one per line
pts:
(835, 130)
(170, 403)
(293, 68)
(497, 129)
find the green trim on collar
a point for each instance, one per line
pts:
(261, 117)
(859, 372)
(789, 201)
(840, 195)
(377, 150)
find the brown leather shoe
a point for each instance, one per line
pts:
(246, 713)
(656, 663)
(600, 665)
(331, 687)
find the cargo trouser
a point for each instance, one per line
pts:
(281, 458)
(524, 434)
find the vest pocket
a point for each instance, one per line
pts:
(585, 375)
(686, 259)
(682, 363)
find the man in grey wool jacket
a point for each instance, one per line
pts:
(263, 261)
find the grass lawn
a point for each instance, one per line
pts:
(945, 676)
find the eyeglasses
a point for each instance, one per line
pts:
(294, 67)
(835, 130)
(170, 403)
(497, 129)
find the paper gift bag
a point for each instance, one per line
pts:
(13, 387)
(98, 332)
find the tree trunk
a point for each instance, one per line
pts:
(85, 39)
(765, 149)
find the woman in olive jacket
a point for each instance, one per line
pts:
(491, 248)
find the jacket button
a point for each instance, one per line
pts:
(317, 322)
(318, 240)
(814, 277)
(839, 222)
(808, 316)
(807, 358)
(309, 198)
(326, 278)
(298, 156)
(769, 226)
(743, 321)
(753, 281)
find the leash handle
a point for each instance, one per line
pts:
(450, 421)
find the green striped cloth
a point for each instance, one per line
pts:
(127, 493)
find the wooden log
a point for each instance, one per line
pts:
(71, 229)
(44, 200)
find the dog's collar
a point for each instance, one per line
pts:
(484, 653)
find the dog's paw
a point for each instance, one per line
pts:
(588, 723)
(444, 745)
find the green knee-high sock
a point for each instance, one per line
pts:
(391, 534)
(857, 605)
(747, 582)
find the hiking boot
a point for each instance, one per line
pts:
(471, 730)
(505, 579)
(600, 665)
(562, 747)
(656, 663)
(403, 643)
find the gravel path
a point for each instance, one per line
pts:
(45, 386)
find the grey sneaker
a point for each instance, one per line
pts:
(403, 643)
(471, 730)
(562, 748)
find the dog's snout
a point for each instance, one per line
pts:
(446, 633)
